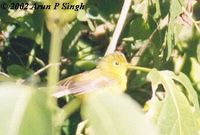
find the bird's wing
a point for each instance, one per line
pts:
(83, 83)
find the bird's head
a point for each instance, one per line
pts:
(114, 62)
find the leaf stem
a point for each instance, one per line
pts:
(53, 71)
(54, 57)
(67, 111)
(71, 107)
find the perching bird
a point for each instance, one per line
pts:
(109, 75)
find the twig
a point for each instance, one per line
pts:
(190, 17)
(44, 68)
(136, 58)
(4, 74)
(123, 15)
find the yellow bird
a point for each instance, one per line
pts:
(110, 75)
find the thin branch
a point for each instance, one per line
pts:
(161, 25)
(190, 17)
(123, 15)
(46, 67)
(4, 74)
(136, 58)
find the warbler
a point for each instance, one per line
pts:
(109, 74)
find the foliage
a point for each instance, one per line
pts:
(181, 101)
(163, 35)
(24, 111)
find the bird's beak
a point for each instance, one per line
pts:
(130, 66)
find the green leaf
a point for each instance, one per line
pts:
(174, 11)
(71, 39)
(23, 111)
(37, 117)
(176, 8)
(170, 40)
(85, 64)
(164, 7)
(104, 6)
(195, 72)
(196, 11)
(176, 111)
(13, 102)
(110, 114)
(81, 16)
(141, 8)
(139, 29)
(198, 52)
(19, 71)
(154, 9)
(64, 16)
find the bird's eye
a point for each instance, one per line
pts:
(116, 63)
